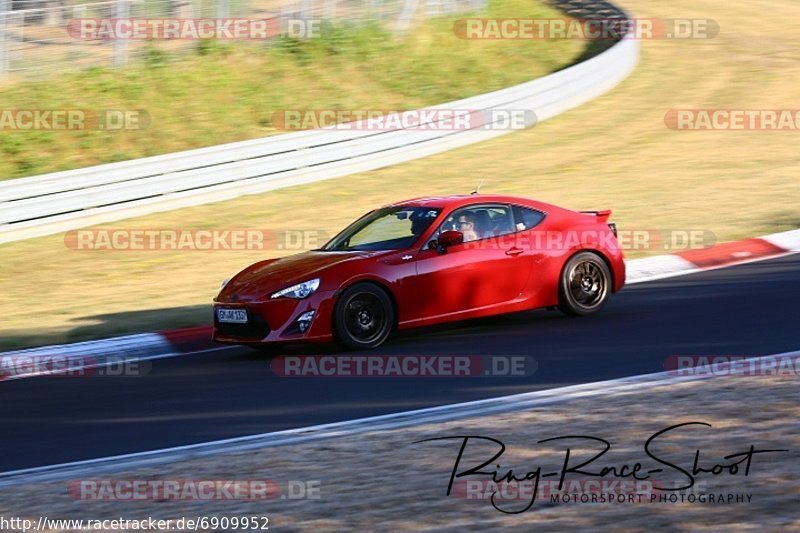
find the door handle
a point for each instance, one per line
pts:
(407, 258)
(514, 251)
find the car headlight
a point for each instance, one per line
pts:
(299, 291)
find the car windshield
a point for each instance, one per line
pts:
(388, 228)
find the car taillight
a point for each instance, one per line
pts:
(613, 227)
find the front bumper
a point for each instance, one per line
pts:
(272, 321)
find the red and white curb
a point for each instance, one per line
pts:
(65, 358)
(720, 255)
(39, 361)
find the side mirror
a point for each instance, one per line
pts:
(448, 239)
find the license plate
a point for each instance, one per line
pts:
(237, 316)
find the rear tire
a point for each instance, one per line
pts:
(585, 285)
(363, 317)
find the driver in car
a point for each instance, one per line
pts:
(466, 225)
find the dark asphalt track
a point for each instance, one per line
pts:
(744, 310)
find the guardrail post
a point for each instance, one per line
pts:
(223, 9)
(308, 10)
(5, 15)
(406, 15)
(330, 9)
(121, 45)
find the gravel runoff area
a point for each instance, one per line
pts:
(384, 480)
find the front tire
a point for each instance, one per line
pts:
(363, 317)
(585, 285)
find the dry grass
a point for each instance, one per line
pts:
(614, 152)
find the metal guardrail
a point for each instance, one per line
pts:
(61, 201)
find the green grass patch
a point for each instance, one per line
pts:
(228, 92)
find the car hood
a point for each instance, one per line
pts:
(261, 279)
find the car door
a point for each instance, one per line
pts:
(532, 235)
(488, 271)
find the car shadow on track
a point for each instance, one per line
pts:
(103, 326)
(410, 340)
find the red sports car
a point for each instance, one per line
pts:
(422, 262)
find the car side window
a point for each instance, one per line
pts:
(480, 221)
(527, 218)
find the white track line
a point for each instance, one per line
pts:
(431, 415)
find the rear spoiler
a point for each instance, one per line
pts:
(601, 215)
